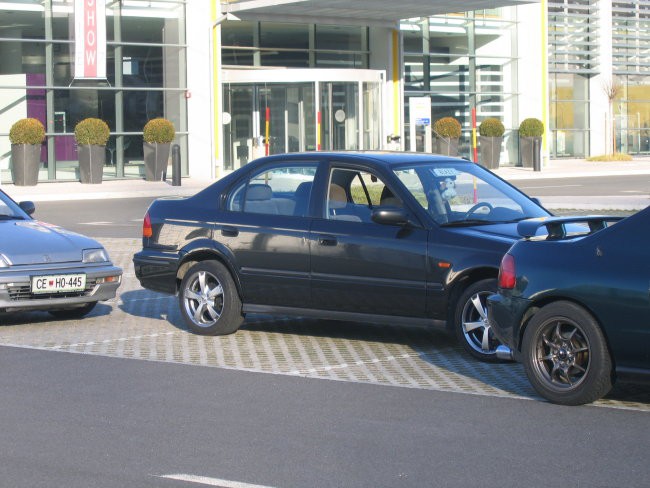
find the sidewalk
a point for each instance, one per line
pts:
(563, 168)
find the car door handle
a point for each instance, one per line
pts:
(228, 231)
(327, 240)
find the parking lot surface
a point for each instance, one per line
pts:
(141, 324)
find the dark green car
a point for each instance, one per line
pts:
(574, 305)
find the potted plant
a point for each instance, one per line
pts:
(490, 140)
(91, 135)
(26, 137)
(157, 134)
(447, 131)
(530, 130)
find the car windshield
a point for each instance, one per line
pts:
(460, 193)
(9, 210)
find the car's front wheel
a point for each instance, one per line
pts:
(565, 355)
(471, 324)
(208, 299)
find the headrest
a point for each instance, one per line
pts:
(337, 196)
(259, 192)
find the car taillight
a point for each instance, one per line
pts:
(507, 275)
(147, 231)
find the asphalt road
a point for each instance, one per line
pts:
(79, 421)
(587, 186)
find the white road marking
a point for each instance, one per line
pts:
(107, 341)
(548, 186)
(204, 480)
(356, 363)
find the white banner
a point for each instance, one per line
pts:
(90, 39)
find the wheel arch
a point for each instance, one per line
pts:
(461, 283)
(538, 304)
(207, 253)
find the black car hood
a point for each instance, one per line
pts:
(506, 232)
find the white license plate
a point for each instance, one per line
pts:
(58, 283)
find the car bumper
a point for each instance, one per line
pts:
(505, 316)
(15, 287)
(156, 271)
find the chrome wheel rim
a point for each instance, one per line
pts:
(203, 299)
(561, 357)
(476, 328)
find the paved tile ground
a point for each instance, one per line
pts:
(144, 325)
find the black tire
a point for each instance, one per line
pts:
(209, 301)
(73, 313)
(565, 355)
(470, 321)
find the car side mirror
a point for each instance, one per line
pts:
(27, 207)
(390, 216)
(537, 201)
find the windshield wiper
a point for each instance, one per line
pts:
(466, 223)
(11, 217)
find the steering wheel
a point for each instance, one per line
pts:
(475, 208)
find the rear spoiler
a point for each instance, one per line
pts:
(556, 226)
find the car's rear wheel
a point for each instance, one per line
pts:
(565, 355)
(208, 298)
(73, 313)
(471, 324)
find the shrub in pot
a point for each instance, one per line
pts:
(447, 131)
(26, 137)
(91, 135)
(490, 140)
(157, 135)
(530, 130)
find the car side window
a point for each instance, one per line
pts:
(280, 190)
(353, 194)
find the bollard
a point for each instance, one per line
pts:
(176, 165)
(537, 149)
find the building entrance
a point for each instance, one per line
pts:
(319, 110)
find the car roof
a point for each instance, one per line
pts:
(386, 158)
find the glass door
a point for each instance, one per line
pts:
(286, 113)
(318, 109)
(238, 131)
(339, 116)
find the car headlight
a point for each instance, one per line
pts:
(94, 256)
(4, 261)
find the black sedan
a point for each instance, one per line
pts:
(574, 307)
(392, 238)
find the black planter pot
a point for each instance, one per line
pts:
(490, 151)
(25, 162)
(91, 163)
(446, 147)
(527, 150)
(156, 158)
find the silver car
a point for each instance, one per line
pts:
(45, 267)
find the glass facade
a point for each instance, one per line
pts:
(631, 67)
(145, 78)
(463, 61)
(328, 109)
(294, 45)
(573, 38)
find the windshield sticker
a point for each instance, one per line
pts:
(444, 172)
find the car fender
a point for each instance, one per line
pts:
(205, 249)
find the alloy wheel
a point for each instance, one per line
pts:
(561, 355)
(203, 299)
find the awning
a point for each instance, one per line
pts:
(370, 12)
